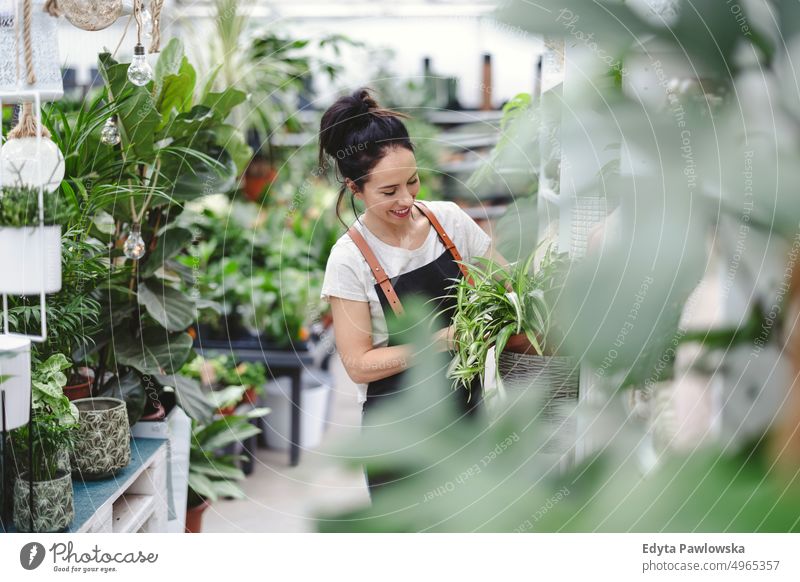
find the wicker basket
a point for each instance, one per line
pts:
(556, 380)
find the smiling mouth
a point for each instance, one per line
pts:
(401, 214)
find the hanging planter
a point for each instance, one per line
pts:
(30, 255)
(102, 444)
(15, 379)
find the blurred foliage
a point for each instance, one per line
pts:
(701, 163)
(490, 474)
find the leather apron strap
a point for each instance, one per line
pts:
(377, 271)
(446, 240)
(380, 274)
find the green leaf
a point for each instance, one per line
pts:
(229, 489)
(202, 485)
(169, 61)
(154, 351)
(225, 431)
(214, 468)
(234, 143)
(136, 109)
(192, 182)
(170, 243)
(190, 395)
(176, 92)
(223, 103)
(168, 306)
(129, 388)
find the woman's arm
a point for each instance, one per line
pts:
(353, 330)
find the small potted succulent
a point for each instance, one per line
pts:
(30, 255)
(51, 433)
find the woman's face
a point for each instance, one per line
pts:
(391, 187)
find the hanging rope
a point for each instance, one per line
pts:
(26, 40)
(27, 126)
(155, 11)
(51, 7)
(137, 15)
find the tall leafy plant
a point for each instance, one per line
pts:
(175, 147)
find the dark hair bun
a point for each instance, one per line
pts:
(348, 115)
(356, 132)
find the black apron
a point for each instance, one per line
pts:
(432, 283)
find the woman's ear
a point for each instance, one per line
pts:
(353, 188)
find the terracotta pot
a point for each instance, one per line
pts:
(250, 395)
(227, 411)
(254, 184)
(194, 517)
(78, 391)
(156, 411)
(519, 344)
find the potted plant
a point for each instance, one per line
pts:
(213, 472)
(102, 444)
(30, 255)
(52, 428)
(230, 384)
(508, 309)
(251, 375)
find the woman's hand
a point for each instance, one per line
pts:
(444, 339)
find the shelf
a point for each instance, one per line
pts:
(97, 503)
(461, 117)
(131, 511)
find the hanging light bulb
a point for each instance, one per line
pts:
(147, 23)
(134, 246)
(140, 73)
(109, 135)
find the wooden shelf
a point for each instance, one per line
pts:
(135, 497)
(131, 511)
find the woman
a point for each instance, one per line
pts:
(398, 248)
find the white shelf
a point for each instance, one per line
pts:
(131, 511)
(138, 500)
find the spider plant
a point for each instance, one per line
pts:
(502, 302)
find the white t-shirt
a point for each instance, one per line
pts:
(347, 274)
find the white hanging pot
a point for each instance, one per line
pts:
(46, 62)
(15, 366)
(30, 260)
(91, 14)
(28, 163)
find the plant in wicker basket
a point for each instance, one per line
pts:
(506, 308)
(52, 429)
